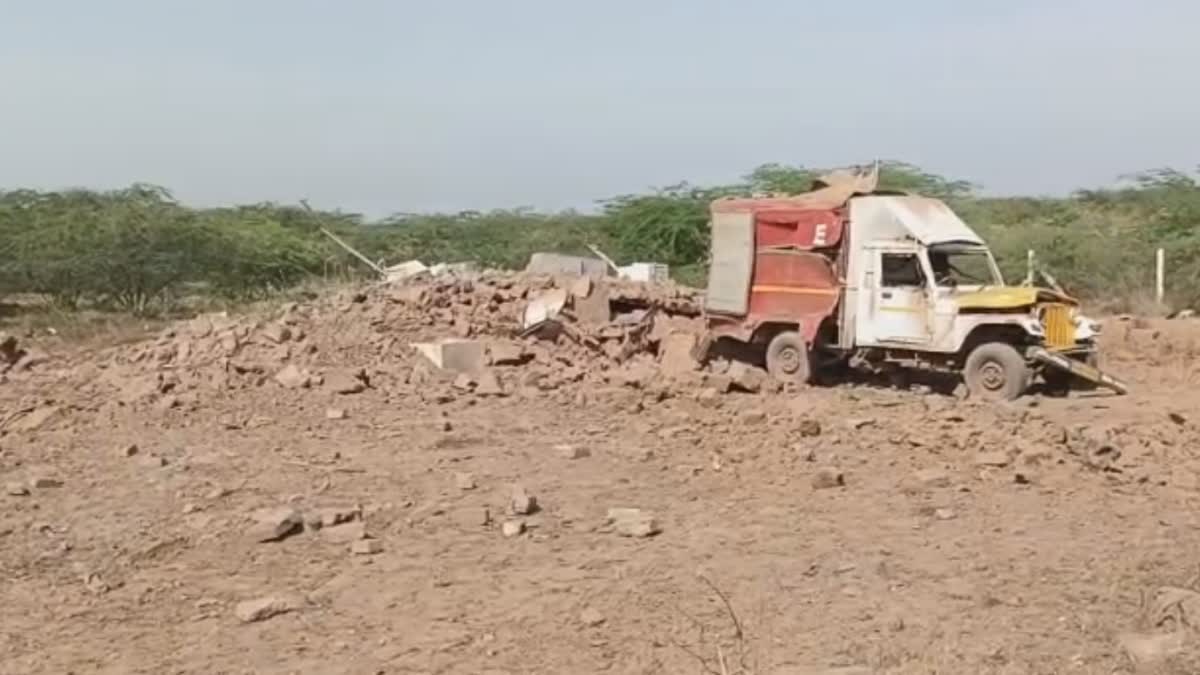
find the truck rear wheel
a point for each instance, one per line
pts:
(788, 358)
(996, 371)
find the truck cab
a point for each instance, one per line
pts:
(891, 280)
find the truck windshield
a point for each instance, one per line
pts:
(962, 267)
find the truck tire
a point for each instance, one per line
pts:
(788, 358)
(996, 371)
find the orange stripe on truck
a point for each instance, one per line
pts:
(797, 290)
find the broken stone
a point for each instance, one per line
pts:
(676, 350)
(335, 414)
(464, 382)
(633, 522)
(512, 528)
(45, 482)
(827, 478)
(593, 308)
(809, 428)
(346, 382)
(276, 333)
(591, 617)
(465, 481)
(331, 516)
(344, 533)
(572, 452)
(752, 417)
(275, 524)
(992, 458)
(292, 377)
(488, 384)
(720, 382)
(16, 490)
(262, 609)
(503, 353)
(366, 547)
(1144, 649)
(747, 378)
(522, 503)
(39, 418)
(932, 478)
(130, 450)
(709, 397)
(1177, 418)
(453, 354)
(945, 514)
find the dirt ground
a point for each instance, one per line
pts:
(849, 529)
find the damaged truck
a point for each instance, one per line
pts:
(847, 275)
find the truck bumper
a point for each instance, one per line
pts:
(1062, 361)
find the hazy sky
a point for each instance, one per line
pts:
(452, 104)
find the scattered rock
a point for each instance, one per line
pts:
(332, 515)
(344, 533)
(573, 452)
(335, 414)
(861, 423)
(488, 384)
(262, 609)
(465, 481)
(16, 490)
(826, 478)
(1177, 418)
(130, 450)
(464, 382)
(752, 417)
(512, 528)
(633, 522)
(992, 458)
(1147, 648)
(276, 333)
(591, 617)
(747, 378)
(676, 350)
(45, 482)
(504, 353)
(522, 503)
(292, 377)
(809, 428)
(345, 382)
(709, 397)
(275, 524)
(932, 478)
(945, 514)
(366, 547)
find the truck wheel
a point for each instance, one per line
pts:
(788, 359)
(996, 371)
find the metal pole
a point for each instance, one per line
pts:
(1029, 267)
(1159, 274)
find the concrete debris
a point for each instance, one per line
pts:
(405, 271)
(45, 483)
(276, 333)
(465, 481)
(16, 490)
(521, 502)
(512, 528)
(336, 414)
(633, 522)
(488, 384)
(557, 264)
(331, 516)
(753, 417)
(262, 609)
(676, 353)
(809, 428)
(1148, 648)
(275, 524)
(506, 353)
(455, 355)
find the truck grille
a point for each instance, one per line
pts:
(1060, 330)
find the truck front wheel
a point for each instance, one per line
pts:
(788, 358)
(996, 371)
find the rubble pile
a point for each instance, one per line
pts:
(489, 333)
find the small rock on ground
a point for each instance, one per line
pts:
(573, 452)
(262, 609)
(633, 522)
(828, 477)
(16, 490)
(522, 503)
(591, 617)
(275, 524)
(512, 528)
(464, 481)
(366, 547)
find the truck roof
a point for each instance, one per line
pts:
(927, 220)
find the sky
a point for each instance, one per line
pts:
(377, 106)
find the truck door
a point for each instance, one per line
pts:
(900, 298)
